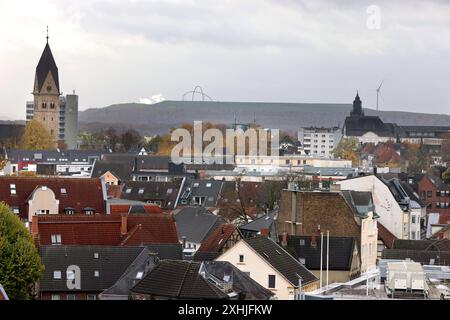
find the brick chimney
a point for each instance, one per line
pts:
(123, 224)
(34, 226)
(264, 232)
(284, 239)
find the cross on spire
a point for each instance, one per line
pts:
(47, 34)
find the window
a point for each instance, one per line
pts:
(302, 242)
(128, 190)
(63, 191)
(70, 274)
(169, 191)
(429, 194)
(56, 297)
(96, 273)
(57, 274)
(43, 211)
(56, 239)
(15, 210)
(302, 260)
(271, 281)
(95, 255)
(196, 184)
(71, 297)
(12, 188)
(208, 185)
(139, 275)
(413, 219)
(91, 297)
(241, 258)
(141, 191)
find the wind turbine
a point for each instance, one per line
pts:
(378, 92)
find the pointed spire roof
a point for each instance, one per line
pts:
(46, 64)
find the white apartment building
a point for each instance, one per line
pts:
(319, 142)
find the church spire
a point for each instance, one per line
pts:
(357, 106)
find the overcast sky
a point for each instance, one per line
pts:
(238, 50)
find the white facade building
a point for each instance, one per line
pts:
(319, 142)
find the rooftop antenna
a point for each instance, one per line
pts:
(378, 92)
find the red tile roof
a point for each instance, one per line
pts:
(80, 192)
(114, 191)
(386, 236)
(105, 229)
(217, 238)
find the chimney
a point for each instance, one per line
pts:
(284, 239)
(123, 224)
(183, 241)
(375, 171)
(314, 240)
(34, 226)
(264, 232)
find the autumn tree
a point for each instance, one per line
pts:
(418, 160)
(130, 138)
(20, 264)
(347, 149)
(36, 137)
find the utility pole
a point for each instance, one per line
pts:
(321, 258)
(328, 253)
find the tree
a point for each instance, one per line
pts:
(446, 175)
(20, 265)
(346, 149)
(36, 137)
(418, 161)
(130, 138)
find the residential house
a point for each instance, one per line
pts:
(82, 272)
(163, 194)
(344, 261)
(220, 240)
(114, 172)
(194, 225)
(398, 213)
(107, 230)
(205, 193)
(188, 280)
(30, 196)
(53, 162)
(436, 195)
(262, 224)
(344, 214)
(271, 266)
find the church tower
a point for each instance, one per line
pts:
(357, 106)
(46, 93)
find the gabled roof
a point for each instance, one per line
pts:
(178, 280)
(120, 169)
(79, 193)
(46, 64)
(356, 126)
(106, 229)
(264, 222)
(195, 223)
(111, 263)
(280, 260)
(385, 235)
(210, 189)
(341, 251)
(166, 192)
(217, 239)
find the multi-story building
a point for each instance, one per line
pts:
(319, 141)
(59, 114)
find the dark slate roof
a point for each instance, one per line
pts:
(166, 192)
(429, 245)
(144, 263)
(355, 126)
(210, 189)
(47, 156)
(263, 222)
(143, 163)
(196, 223)
(171, 251)
(360, 202)
(178, 279)
(121, 169)
(11, 131)
(206, 255)
(341, 251)
(111, 264)
(422, 256)
(46, 64)
(281, 260)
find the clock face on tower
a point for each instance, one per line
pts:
(49, 88)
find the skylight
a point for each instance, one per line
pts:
(139, 275)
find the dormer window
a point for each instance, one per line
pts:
(88, 211)
(15, 210)
(208, 185)
(128, 190)
(141, 191)
(63, 191)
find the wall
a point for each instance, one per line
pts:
(42, 198)
(71, 121)
(110, 179)
(258, 268)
